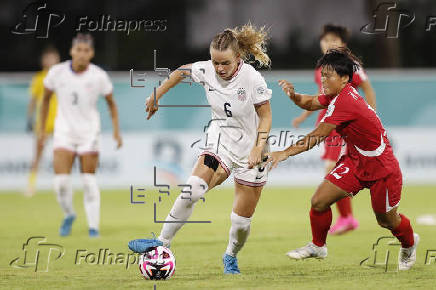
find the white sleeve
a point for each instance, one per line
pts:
(49, 80)
(362, 74)
(106, 86)
(198, 71)
(260, 93)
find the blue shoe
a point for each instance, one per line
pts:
(141, 245)
(230, 265)
(93, 233)
(65, 229)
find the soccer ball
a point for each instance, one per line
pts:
(158, 263)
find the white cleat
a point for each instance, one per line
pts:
(407, 256)
(309, 251)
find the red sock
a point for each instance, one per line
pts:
(404, 232)
(320, 223)
(344, 207)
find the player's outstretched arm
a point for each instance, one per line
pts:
(151, 104)
(115, 123)
(308, 142)
(31, 108)
(306, 102)
(369, 93)
(263, 129)
(43, 115)
(30, 113)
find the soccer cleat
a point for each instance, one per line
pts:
(65, 229)
(230, 265)
(94, 233)
(141, 245)
(309, 251)
(407, 256)
(344, 225)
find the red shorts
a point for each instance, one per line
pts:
(385, 192)
(334, 147)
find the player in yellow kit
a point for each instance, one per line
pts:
(49, 57)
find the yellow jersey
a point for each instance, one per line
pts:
(37, 92)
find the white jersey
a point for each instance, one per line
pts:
(234, 121)
(77, 94)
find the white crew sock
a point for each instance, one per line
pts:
(182, 208)
(64, 193)
(238, 233)
(91, 200)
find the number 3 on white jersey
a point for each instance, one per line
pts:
(338, 175)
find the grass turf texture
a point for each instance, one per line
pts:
(280, 224)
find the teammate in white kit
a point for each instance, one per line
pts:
(236, 137)
(78, 84)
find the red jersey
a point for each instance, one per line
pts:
(357, 123)
(358, 77)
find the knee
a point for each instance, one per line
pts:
(62, 184)
(194, 190)
(385, 223)
(318, 204)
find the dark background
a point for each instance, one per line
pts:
(190, 24)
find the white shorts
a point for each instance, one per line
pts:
(80, 145)
(254, 177)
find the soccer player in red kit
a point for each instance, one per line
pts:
(368, 163)
(334, 36)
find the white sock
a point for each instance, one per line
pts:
(91, 200)
(182, 208)
(64, 193)
(238, 233)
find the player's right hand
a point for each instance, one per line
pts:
(118, 139)
(287, 87)
(41, 137)
(275, 157)
(150, 106)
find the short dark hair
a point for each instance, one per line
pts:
(341, 31)
(83, 37)
(49, 49)
(340, 60)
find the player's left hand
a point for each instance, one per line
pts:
(118, 139)
(255, 156)
(29, 125)
(275, 157)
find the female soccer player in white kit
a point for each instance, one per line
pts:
(240, 123)
(78, 85)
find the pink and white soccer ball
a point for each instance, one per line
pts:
(158, 263)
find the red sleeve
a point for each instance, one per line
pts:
(339, 111)
(317, 79)
(324, 100)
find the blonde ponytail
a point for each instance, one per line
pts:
(247, 41)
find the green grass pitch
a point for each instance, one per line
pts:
(280, 224)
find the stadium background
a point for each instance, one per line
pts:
(168, 141)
